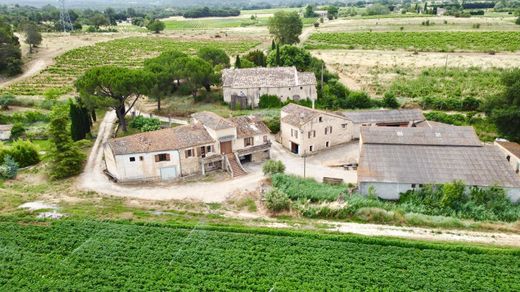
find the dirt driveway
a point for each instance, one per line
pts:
(93, 178)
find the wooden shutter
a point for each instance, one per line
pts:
(157, 158)
(167, 156)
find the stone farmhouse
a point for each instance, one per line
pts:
(244, 87)
(305, 131)
(511, 151)
(209, 143)
(384, 118)
(396, 160)
(5, 132)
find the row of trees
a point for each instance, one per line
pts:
(10, 53)
(208, 12)
(120, 88)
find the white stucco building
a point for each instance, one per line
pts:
(511, 152)
(305, 131)
(244, 87)
(209, 143)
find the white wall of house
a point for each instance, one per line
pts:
(239, 143)
(512, 159)
(143, 166)
(284, 93)
(322, 132)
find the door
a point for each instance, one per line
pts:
(168, 173)
(295, 148)
(225, 147)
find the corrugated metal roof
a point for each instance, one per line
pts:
(266, 77)
(384, 116)
(413, 164)
(443, 136)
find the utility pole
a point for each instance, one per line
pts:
(64, 17)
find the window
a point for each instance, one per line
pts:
(162, 157)
(310, 148)
(327, 144)
(289, 88)
(344, 126)
(132, 159)
(266, 139)
(296, 134)
(312, 134)
(413, 186)
(189, 153)
(301, 87)
(328, 130)
(508, 157)
(141, 158)
(209, 149)
(248, 141)
(320, 119)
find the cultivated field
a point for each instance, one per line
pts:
(91, 255)
(128, 52)
(418, 41)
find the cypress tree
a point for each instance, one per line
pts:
(273, 45)
(237, 62)
(278, 55)
(76, 125)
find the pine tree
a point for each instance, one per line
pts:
(237, 62)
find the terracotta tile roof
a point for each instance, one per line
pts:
(444, 136)
(162, 140)
(298, 115)
(384, 116)
(512, 147)
(266, 77)
(248, 126)
(212, 120)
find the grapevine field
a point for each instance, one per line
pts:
(91, 255)
(213, 23)
(128, 52)
(419, 41)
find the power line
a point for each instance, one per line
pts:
(65, 22)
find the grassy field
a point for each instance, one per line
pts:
(93, 255)
(128, 52)
(418, 41)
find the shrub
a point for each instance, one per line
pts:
(269, 101)
(390, 101)
(6, 100)
(308, 189)
(273, 124)
(9, 169)
(271, 167)
(17, 131)
(24, 153)
(145, 124)
(276, 200)
(359, 100)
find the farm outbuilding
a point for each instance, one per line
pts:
(396, 160)
(384, 118)
(243, 87)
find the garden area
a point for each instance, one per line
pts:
(451, 204)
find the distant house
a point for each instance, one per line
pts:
(244, 87)
(209, 143)
(384, 118)
(395, 160)
(305, 131)
(5, 132)
(511, 151)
